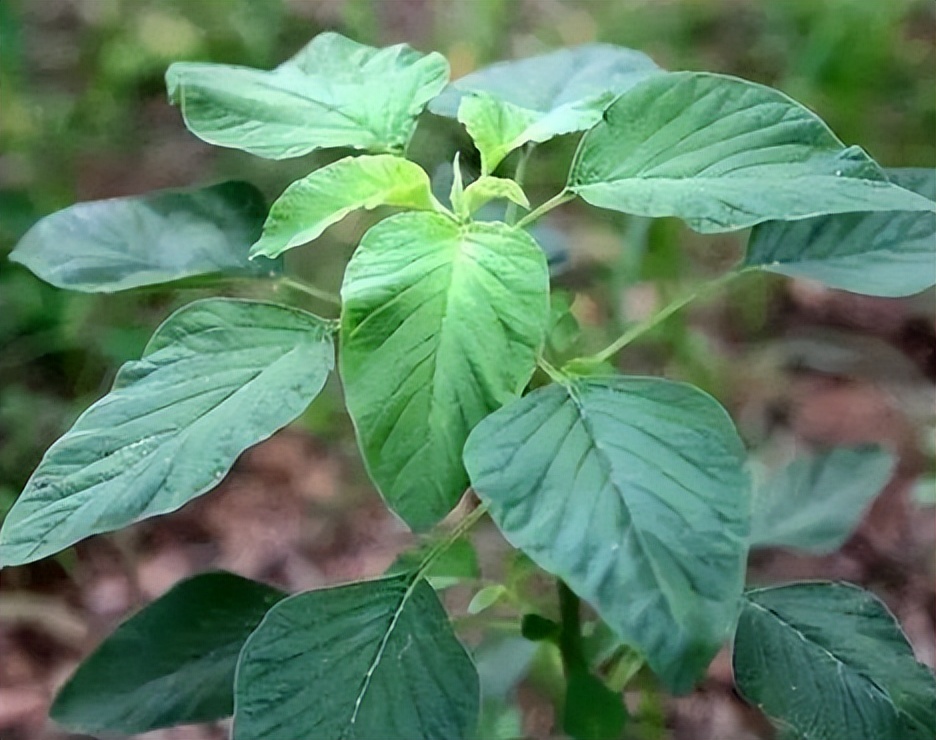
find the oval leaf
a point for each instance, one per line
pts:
(121, 243)
(880, 254)
(816, 502)
(334, 93)
(376, 659)
(723, 154)
(312, 204)
(217, 377)
(440, 325)
(632, 491)
(172, 663)
(829, 661)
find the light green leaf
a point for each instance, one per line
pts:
(487, 188)
(441, 323)
(632, 491)
(829, 662)
(883, 254)
(723, 154)
(312, 204)
(816, 502)
(548, 82)
(218, 376)
(121, 243)
(171, 663)
(334, 93)
(376, 659)
(486, 598)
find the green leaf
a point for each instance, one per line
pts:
(312, 204)
(537, 628)
(830, 662)
(487, 188)
(441, 323)
(881, 254)
(376, 659)
(171, 663)
(218, 376)
(723, 154)
(816, 502)
(121, 243)
(592, 711)
(334, 93)
(549, 82)
(486, 598)
(632, 491)
(457, 563)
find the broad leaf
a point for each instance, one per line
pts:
(376, 659)
(548, 82)
(722, 154)
(487, 188)
(217, 377)
(816, 502)
(109, 245)
(170, 664)
(632, 491)
(829, 662)
(334, 93)
(881, 254)
(441, 323)
(312, 204)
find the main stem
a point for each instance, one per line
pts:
(641, 328)
(570, 629)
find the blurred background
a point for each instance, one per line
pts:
(83, 116)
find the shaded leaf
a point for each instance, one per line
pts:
(632, 491)
(366, 660)
(829, 662)
(218, 376)
(121, 243)
(441, 323)
(883, 254)
(171, 663)
(816, 502)
(723, 154)
(312, 204)
(334, 93)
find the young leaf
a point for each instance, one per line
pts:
(121, 243)
(487, 188)
(218, 376)
(547, 83)
(722, 154)
(334, 93)
(486, 598)
(171, 663)
(366, 660)
(440, 325)
(830, 662)
(881, 254)
(816, 502)
(632, 491)
(312, 204)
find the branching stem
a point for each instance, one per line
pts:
(303, 287)
(456, 534)
(561, 197)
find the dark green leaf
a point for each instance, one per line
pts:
(172, 663)
(632, 491)
(816, 502)
(537, 628)
(441, 323)
(883, 254)
(592, 711)
(830, 662)
(376, 659)
(723, 154)
(334, 93)
(109, 245)
(312, 204)
(217, 377)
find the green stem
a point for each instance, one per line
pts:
(570, 629)
(301, 286)
(555, 375)
(456, 534)
(510, 216)
(561, 197)
(637, 330)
